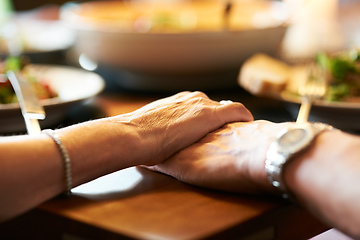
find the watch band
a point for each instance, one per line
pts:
(276, 158)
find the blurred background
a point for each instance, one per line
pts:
(23, 5)
(195, 60)
(166, 46)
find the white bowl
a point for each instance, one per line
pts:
(168, 50)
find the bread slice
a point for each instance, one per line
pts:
(298, 77)
(263, 75)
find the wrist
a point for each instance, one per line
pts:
(258, 171)
(303, 170)
(100, 147)
(291, 143)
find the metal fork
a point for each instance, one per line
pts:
(314, 88)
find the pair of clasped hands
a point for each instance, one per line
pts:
(211, 144)
(186, 135)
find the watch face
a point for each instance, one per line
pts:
(295, 139)
(292, 137)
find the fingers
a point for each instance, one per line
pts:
(188, 95)
(233, 112)
(226, 110)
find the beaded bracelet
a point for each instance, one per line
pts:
(65, 157)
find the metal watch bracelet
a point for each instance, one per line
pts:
(276, 159)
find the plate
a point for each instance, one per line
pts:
(73, 85)
(172, 53)
(40, 35)
(342, 115)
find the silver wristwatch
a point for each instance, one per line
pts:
(289, 142)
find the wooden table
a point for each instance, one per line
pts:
(136, 203)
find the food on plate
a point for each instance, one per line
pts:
(40, 86)
(263, 75)
(344, 68)
(175, 16)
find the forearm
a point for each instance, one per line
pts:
(325, 180)
(32, 168)
(103, 146)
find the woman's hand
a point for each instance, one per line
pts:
(168, 125)
(231, 158)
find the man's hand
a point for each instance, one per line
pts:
(231, 158)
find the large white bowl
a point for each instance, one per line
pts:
(209, 48)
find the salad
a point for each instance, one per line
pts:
(7, 95)
(344, 81)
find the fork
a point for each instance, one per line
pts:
(314, 88)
